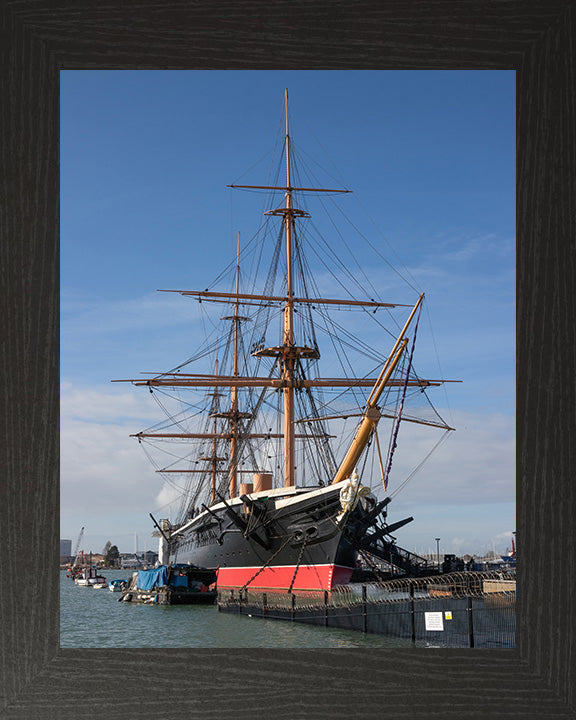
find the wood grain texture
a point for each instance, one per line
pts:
(534, 37)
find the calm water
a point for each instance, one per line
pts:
(95, 619)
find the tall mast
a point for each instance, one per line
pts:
(289, 355)
(234, 390)
(214, 460)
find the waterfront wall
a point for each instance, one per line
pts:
(457, 610)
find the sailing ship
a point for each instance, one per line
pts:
(269, 500)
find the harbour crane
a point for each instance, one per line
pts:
(77, 546)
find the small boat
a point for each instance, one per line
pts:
(89, 578)
(172, 585)
(510, 557)
(117, 585)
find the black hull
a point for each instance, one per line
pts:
(301, 541)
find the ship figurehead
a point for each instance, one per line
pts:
(351, 493)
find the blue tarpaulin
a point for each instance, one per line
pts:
(147, 579)
(178, 580)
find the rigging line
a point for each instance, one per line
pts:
(181, 459)
(368, 311)
(246, 249)
(204, 352)
(392, 267)
(172, 420)
(273, 266)
(336, 259)
(393, 412)
(423, 392)
(353, 257)
(311, 160)
(162, 507)
(186, 490)
(402, 485)
(170, 423)
(336, 336)
(401, 404)
(339, 344)
(367, 279)
(255, 164)
(374, 454)
(158, 449)
(322, 445)
(415, 286)
(338, 330)
(439, 365)
(339, 233)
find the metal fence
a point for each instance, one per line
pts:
(468, 609)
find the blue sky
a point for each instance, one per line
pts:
(145, 160)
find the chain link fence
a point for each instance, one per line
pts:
(464, 609)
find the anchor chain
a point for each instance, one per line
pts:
(267, 563)
(298, 564)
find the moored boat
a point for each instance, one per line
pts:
(89, 577)
(171, 585)
(117, 585)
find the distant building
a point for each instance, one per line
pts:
(149, 557)
(65, 551)
(138, 560)
(130, 560)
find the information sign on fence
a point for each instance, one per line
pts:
(434, 621)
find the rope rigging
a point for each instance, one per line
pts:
(264, 260)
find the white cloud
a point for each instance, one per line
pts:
(104, 471)
(105, 405)
(85, 316)
(475, 465)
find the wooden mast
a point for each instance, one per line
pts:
(287, 355)
(234, 391)
(214, 456)
(289, 358)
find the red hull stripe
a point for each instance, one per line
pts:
(308, 577)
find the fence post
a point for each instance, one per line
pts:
(470, 621)
(264, 604)
(325, 608)
(364, 609)
(292, 612)
(412, 614)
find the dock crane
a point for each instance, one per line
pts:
(77, 546)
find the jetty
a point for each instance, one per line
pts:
(171, 585)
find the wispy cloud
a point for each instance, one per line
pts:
(103, 470)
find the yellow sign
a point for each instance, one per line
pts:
(448, 614)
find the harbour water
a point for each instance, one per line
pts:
(95, 619)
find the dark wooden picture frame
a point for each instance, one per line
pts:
(41, 37)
